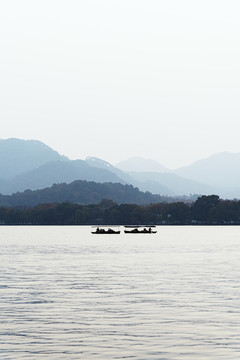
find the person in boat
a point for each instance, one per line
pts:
(100, 231)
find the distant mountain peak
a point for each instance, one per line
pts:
(26, 142)
(139, 164)
(18, 156)
(220, 170)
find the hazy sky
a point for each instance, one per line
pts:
(114, 79)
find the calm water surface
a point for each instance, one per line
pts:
(67, 294)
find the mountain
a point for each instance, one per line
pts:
(169, 184)
(18, 156)
(138, 164)
(30, 164)
(144, 181)
(221, 171)
(57, 172)
(81, 192)
(217, 174)
(99, 163)
(157, 183)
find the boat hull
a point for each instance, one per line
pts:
(106, 232)
(139, 232)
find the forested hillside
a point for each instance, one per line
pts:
(81, 192)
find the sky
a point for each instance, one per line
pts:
(117, 79)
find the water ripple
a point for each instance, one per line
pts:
(65, 294)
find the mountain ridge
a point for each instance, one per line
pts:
(221, 170)
(18, 156)
(30, 164)
(137, 164)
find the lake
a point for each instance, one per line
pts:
(68, 294)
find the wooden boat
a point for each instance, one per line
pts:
(138, 229)
(105, 231)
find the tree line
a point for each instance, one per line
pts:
(206, 210)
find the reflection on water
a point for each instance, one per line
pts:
(67, 294)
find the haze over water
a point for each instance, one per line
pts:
(67, 294)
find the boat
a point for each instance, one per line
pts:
(102, 230)
(140, 229)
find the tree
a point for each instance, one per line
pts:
(202, 206)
